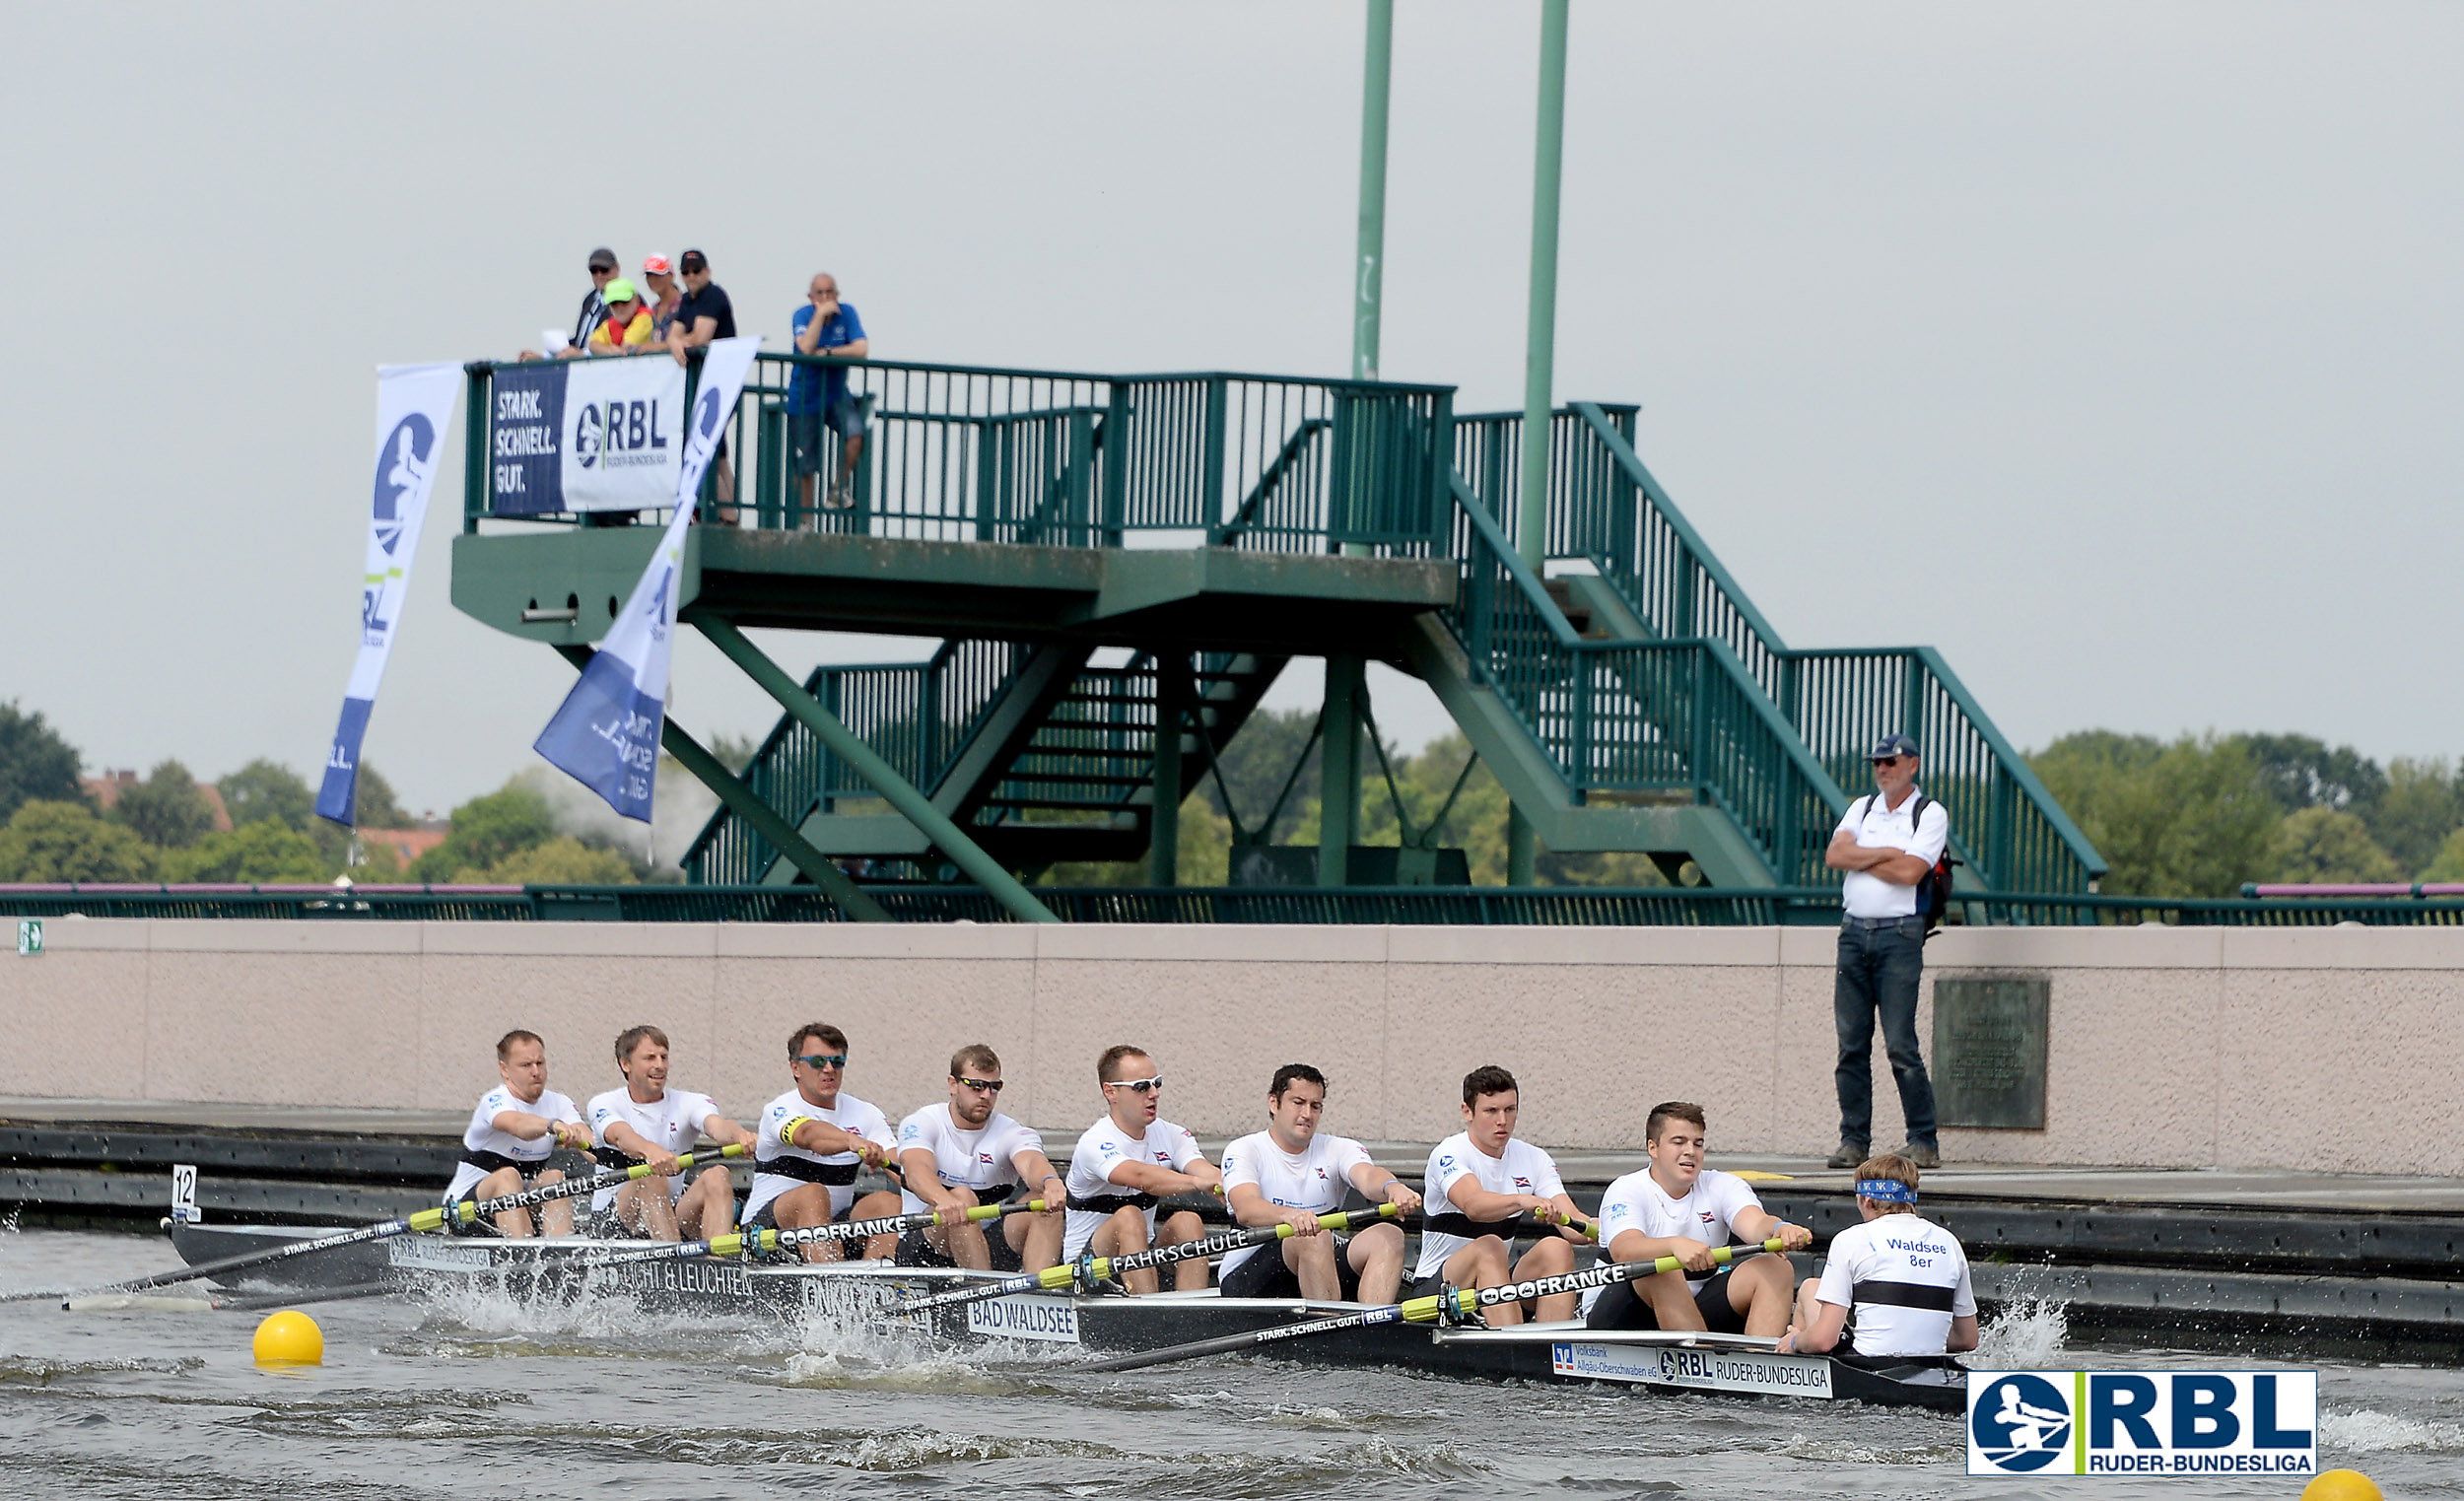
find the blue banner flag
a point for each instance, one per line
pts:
(605, 734)
(413, 404)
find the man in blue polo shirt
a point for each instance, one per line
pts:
(818, 398)
(1888, 845)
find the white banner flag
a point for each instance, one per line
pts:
(413, 404)
(605, 734)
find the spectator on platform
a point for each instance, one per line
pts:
(819, 398)
(664, 296)
(593, 308)
(626, 327)
(1888, 845)
(705, 314)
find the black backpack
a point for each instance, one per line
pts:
(1933, 891)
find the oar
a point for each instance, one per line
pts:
(424, 1220)
(738, 1242)
(1096, 1269)
(1460, 1302)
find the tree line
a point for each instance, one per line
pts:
(2195, 816)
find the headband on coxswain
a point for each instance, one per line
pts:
(1885, 1190)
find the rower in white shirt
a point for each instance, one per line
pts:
(1125, 1163)
(511, 1135)
(813, 1141)
(1486, 1187)
(1678, 1207)
(962, 1153)
(1895, 1285)
(1289, 1174)
(647, 1122)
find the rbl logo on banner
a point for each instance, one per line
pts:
(2143, 1423)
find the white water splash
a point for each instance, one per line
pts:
(2025, 1335)
(2370, 1432)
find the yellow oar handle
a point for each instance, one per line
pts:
(1466, 1300)
(1100, 1268)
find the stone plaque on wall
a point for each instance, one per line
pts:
(1989, 1049)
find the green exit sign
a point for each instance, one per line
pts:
(28, 936)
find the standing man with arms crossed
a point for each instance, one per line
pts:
(964, 1153)
(647, 1122)
(1887, 843)
(1678, 1207)
(1488, 1187)
(812, 1141)
(816, 398)
(1288, 1173)
(1896, 1284)
(516, 1125)
(1125, 1163)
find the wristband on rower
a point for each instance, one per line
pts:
(787, 1132)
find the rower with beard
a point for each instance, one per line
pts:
(1288, 1173)
(1489, 1189)
(1678, 1207)
(1126, 1163)
(647, 1122)
(1895, 1285)
(957, 1155)
(812, 1141)
(511, 1135)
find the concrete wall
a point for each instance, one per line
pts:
(2330, 1049)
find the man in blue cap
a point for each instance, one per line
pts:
(1887, 843)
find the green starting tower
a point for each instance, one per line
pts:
(1119, 567)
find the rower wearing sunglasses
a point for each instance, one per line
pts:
(812, 1142)
(1127, 1162)
(963, 1153)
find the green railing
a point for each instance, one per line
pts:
(970, 454)
(1678, 717)
(1607, 510)
(1467, 905)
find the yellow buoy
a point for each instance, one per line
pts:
(290, 1338)
(2341, 1485)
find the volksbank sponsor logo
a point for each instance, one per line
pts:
(2143, 1423)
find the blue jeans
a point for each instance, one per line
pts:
(1879, 970)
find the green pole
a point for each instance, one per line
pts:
(1163, 850)
(901, 794)
(1541, 335)
(1540, 358)
(1369, 266)
(1339, 765)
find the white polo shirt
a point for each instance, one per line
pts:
(1866, 895)
(1907, 1279)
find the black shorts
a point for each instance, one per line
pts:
(915, 1251)
(1620, 1307)
(1267, 1276)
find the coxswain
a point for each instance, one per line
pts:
(1895, 1285)
(1129, 1161)
(1678, 1207)
(647, 1122)
(1490, 1187)
(1289, 1174)
(963, 1153)
(518, 1125)
(812, 1141)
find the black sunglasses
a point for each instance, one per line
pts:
(823, 1060)
(988, 1087)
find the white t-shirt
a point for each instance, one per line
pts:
(1524, 1169)
(671, 1122)
(1707, 1214)
(1314, 1181)
(849, 1114)
(1907, 1258)
(1099, 1154)
(1866, 895)
(981, 1159)
(481, 1136)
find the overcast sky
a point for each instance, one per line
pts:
(2116, 350)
